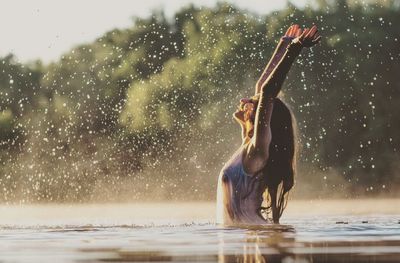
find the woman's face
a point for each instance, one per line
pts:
(248, 109)
(245, 113)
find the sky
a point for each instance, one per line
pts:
(45, 29)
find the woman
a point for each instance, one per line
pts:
(264, 162)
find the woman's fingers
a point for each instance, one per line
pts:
(291, 30)
(298, 33)
(314, 36)
(312, 32)
(303, 35)
(295, 29)
(308, 36)
(316, 40)
(309, 33)
(314, 29)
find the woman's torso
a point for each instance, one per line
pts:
(239, 195)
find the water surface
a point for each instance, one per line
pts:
(186, 232)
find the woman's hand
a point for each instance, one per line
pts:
(308, 38)
(293, 31)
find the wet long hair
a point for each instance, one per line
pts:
(279, 172)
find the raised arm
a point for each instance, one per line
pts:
(272, 86)
(258, 149)
(291, 33)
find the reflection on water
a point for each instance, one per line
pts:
(279, 244)
(131, 234)
(259, 244)
(305, 240)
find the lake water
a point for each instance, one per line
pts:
(311, 231)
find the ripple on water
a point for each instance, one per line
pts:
(305, 239)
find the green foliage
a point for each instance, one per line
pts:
(149, 109)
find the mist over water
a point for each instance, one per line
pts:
(147, 214)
